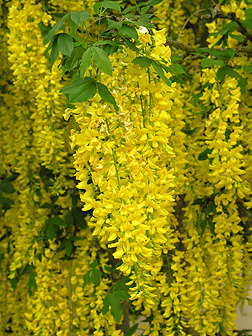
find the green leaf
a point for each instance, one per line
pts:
(7, 187)
(2, 256)
(94, 264)
(85, 62)
(79, 220)
(199, 201)
(44, 29)
(211, 226)
(247, 69)
(144, 20)
(218, 62)
(242, 83)
(106, 95)
(76, 55)
(102, 60)
(115, 24)
(107, 268)
(44, 227)
(79, 17)
(238, 38)
(109, 49)
(130, 44)
(54, 52)
(12, 178)
(247, 24)
(104, 42)
(227, 28)
(32, 283)
(208, 62)
(46, 206)
(161, 74)
(80, 90)
(129, 31)
(106, 303)
(203, 225)
(69, 219)
(58, 25)
(68, 247)
(14, 283)
(189, 131)
(209, 208)
(226, 54)
(72, 86)
(176, 68)
(115, 270)
(248, 13)
(203, 156)
(144, 9)
(145, 62)
(122, 295)
(6, 202)
(227, 70)
(75, 199)
(131, 330)
(116, 308)
(65, 44)
(57, 221)
(74, 238)
(121, 283)
(51, 231)
(111, 5)
(222, 41)
(49, 46)
(97, 6)
(96, 276)
(84, 93)
(72, 26)
(115, 304)
(86, 278)
(153, 2)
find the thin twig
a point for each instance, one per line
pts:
(200, 10)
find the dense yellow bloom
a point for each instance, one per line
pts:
(165, 179)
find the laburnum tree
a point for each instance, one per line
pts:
(125, 167)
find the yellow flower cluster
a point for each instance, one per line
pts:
(173, 16)
(39, 86)
(126, 156)
(217, 258)
(165, 178)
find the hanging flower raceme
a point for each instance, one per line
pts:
(218, 253)
(122, 161)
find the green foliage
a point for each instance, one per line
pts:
(32, 286)
(80, 54)
(205, 218)
(101, 60)
(131, 330)
(106, 95)
(85, 59)
(94, 274)
(6, 187)
(114, 297)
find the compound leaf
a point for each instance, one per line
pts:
(102, 60)
(65, 44)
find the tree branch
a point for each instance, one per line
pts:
(181, 46)
(189, 49)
